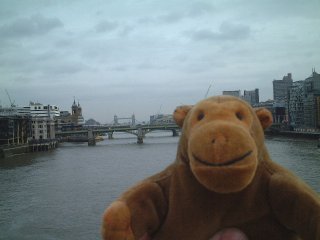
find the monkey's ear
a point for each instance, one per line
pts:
(265, 117)
(180, 114)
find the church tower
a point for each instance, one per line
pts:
(77, 113)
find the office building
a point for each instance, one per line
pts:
(281, 88)
(304, 102)
(295, 104)
(251, 96)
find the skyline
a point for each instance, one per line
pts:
(143, 57)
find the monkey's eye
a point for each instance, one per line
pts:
(200, 116)
(239, 115)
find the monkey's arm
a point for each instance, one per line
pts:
(138, 212)
(295, 205)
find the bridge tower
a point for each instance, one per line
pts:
(115, 120)
(133, 120)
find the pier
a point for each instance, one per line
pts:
(42, 145)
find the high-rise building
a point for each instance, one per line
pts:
(304, 102)
(281, 88)
(295, 104)
(251, 96)
(312, 92)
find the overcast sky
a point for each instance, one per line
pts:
(145, 56)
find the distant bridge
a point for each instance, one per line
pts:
(139, 130)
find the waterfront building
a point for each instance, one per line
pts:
(279, 112)
(43, 128)
(281, 92)
(161, 119)
(296, 104)
(251, 96)
(47, 111)
(304, 103)
(70, 121)
(43, 119)
(267, 104)
(235, 93)
(281, 88)
(277, 109)
(14, 129)
(311, 100)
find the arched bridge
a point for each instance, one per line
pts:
(140, 131)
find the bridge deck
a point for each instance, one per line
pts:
(111, 129)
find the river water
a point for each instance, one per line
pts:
(62, 194)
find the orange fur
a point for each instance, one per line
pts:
(222, 178)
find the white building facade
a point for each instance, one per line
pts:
(43, 120)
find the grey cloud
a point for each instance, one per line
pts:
(200, 8)
(45, 63)
(230, 30)
(273, 10)
(26, 27)
(146, 20)
(170, 18)
(120, 68)
(106, 26)
(148, 66)
(193, 10)
(65, 68)
(167, 18)
(126, 30)
(64, 43)
(227, 31)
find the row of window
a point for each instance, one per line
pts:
(46, 108)
(40, 131)
(39, 126)
(43, 122)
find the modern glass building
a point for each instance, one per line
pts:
(304, 102)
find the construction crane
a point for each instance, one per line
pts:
(11, 103)
(208, 90)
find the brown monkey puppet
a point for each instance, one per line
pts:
(222, 178)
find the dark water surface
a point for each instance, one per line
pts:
(62, 194)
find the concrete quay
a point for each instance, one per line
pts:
(31, 146)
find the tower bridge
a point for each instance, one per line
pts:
(132, 119)
(139, 130)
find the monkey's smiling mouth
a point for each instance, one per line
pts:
(230, 162)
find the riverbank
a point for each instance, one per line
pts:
(32, 146)
(294, 134)
(8, 151)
